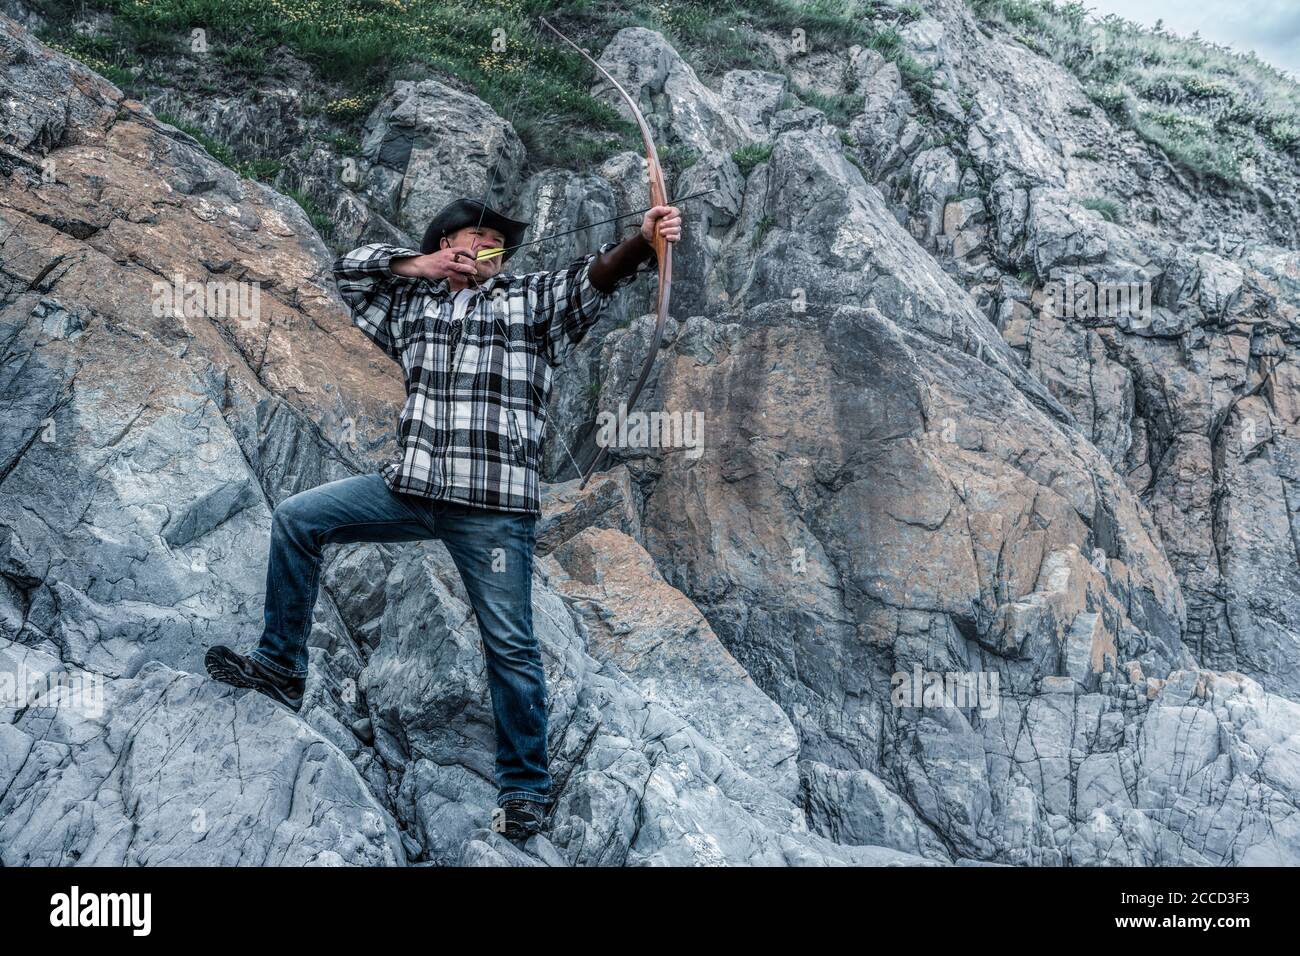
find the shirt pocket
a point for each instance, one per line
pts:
(516, 442)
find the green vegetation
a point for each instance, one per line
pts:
(344, 144)
(1211, 109)
(350, 107)
(916, 78)
(911, 11)
(840, 108)
(249, 59)
(319, 220)
(747, 157)
(264, 169)
(217, 150)
(99, 54)
(715, 37)
(1107, 208)
(493, 48)
(676, 159)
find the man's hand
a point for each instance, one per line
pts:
(668, 220)
(443, 264)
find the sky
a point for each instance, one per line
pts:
(1269, 27)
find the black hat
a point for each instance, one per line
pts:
(468, 212)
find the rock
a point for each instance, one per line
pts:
(915, 468)
(966, 244)
(651, 71)
(945, 103)
(753, 96)
(642, 786)
(1221, 285)
(886, 112)
(658, 638)
(935, 177)
(426, 144)
(567, 510)
(1001, 143)
(961, 214)
(168, 768)
(855, 807)
(924, 39)
(865, 63)
(1060, 233)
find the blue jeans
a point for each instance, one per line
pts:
(364, 508)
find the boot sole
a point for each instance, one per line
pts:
(228, 670)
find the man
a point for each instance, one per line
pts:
(477, 346)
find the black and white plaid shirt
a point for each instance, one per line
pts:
(477, 386)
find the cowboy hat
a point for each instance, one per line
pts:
(470, 212)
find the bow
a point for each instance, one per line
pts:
(663, 249)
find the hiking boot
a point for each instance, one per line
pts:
(235, 669)
(518, 819)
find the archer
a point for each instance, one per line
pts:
(478, 346)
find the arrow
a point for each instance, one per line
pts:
(493, 253)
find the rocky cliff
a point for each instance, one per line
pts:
(912, 462)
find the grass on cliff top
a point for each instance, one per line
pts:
(1211, 109)
(495, 49)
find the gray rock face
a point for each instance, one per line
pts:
(638, 784)
(936, 178)
(427, 144)
(754, 97)
(172, 769)
(658, 638)
(655, 75)
(916, 465)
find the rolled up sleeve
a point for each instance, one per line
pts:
(563, 304)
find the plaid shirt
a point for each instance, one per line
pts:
(476, 389)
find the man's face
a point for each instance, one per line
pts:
(476, 238)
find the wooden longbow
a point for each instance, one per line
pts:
(663, 249)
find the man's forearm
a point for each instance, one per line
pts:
(620, 262)
(406, 266)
